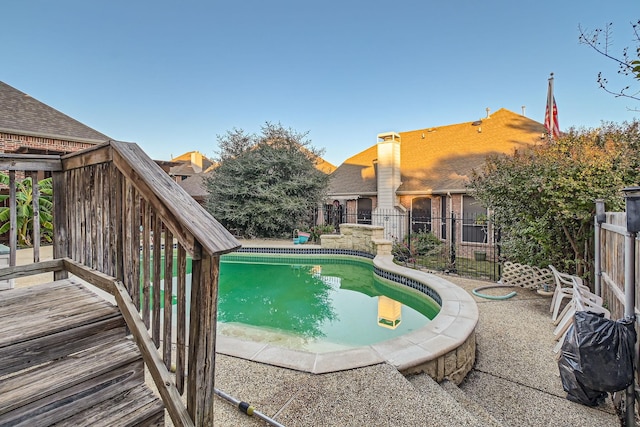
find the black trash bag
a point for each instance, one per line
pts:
(597, 357)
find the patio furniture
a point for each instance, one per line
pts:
(565, 284)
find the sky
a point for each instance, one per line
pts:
(172, 76)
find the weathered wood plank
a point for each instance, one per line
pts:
(35, 202)
(134, 243)
(89, 157)
(118, 190)
(133, 175)
(157, 272)
(54, 346)
(28, 293)
(83, 396)
(41, 306)
(13, 218)
(99, 200)
(168, 297)
(181, 319)
(73, 212)
(146, 263)
(159, 372)
(139, 407)
(104, 220)
(94, 205)
(94, 277)
(127, 219)
(29, 162)
(53, 392)
(41, 326)
(180, 211)
(60, 221)
(31, 269)
(202, 336)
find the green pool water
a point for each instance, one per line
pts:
(318, 304)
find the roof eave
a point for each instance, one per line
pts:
(53, 136)
(428, 192)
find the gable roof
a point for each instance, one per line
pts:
(440, 159)
(23, 115)
(195, 185)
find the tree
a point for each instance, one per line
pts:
(265, 185)
(601, 40)
(543, 198)
(24, 210)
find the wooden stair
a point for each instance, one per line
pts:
(65, 359)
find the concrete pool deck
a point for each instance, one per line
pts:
(514, 381)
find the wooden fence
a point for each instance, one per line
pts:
(612, 247)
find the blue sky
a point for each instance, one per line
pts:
(171, 75)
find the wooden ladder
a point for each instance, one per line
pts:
(65, 359)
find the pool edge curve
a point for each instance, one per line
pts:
(444, 348)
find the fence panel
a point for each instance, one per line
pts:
(466, 246)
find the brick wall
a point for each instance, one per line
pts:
(9, 143)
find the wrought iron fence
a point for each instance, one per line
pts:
(467, 246)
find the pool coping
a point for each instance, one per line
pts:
(443, 347)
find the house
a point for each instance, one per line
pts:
(422, 175)
(28, 126)
(189, 164)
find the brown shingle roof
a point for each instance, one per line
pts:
(24, 115)
(443, 159)
(195, 186)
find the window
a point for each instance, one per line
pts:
(421, 215)
(365, 206)
(474, 221)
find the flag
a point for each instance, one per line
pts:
(551, 120)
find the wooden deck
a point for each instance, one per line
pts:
(66, 360)
(109, 203)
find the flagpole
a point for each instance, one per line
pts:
(550, 107)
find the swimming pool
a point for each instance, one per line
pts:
(443, 348)
(315, 303)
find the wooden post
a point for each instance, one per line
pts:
(35, 201)
(181, 318)
(157, 258)
(202, 336)
(13, 218)
(168, 297)
(60, 224)
(146, 263)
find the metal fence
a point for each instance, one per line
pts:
(466, 246)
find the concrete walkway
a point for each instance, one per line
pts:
(515, 381)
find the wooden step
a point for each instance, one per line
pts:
(57, 391)
(136, 407)
(49, 321)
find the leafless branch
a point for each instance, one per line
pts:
(601, 40)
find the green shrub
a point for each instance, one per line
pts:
(318, 230)
(423, 243)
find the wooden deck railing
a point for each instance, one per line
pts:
(117, 215)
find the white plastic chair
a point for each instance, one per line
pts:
(564, 289)
(586, 295)
(582, 301)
